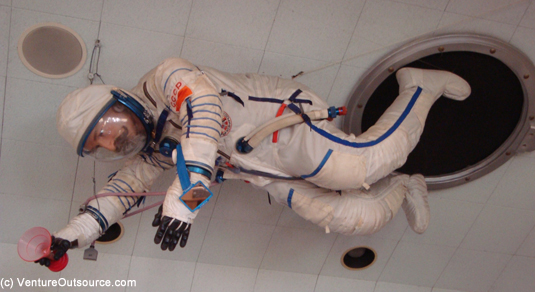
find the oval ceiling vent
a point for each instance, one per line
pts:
(52, 50)
(358, 258)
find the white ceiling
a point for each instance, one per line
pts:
(481, 236)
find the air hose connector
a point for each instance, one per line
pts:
(243, 146)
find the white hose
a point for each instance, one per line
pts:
(260, 133)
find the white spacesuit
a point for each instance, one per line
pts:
(312, 167)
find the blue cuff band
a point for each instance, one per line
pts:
(200, 170)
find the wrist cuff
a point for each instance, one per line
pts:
(200, 170)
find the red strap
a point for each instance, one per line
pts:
(279, 113)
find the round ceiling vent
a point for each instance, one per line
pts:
(52, 50)
(462, 140)
(358, 258)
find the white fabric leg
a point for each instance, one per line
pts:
(350, 212)
(332, 159)
(433, 84)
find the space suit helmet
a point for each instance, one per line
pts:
(104, 122)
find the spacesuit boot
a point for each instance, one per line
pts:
(433, 85)
(433, 82)
(415, 204)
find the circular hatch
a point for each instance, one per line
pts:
(462, 140)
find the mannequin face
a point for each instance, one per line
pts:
(115, 130)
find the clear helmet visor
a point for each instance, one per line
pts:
(117, 134)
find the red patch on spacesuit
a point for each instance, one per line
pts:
(180, 93)
(226, 124)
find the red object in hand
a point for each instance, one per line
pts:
(34, 245)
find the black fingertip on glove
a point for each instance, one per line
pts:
(174, 236)
(59, 246)
(161, 229)
(185, 236)
(168, 239)
(158, 217)
(171, 232)
(43, 262)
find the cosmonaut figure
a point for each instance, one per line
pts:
(320, 172)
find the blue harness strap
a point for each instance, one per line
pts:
(289, 199)
(160, 125)
(233, 95)
(181, 169)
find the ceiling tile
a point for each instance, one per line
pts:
(507, 11)
(386, 23)
(435, 4)
(320, 82)
(108, 267)
(163, 16)
(12, 267)
(529, 17)
(528, 246)
(470, 270)
(2, 87)
(499, 229)
(38, 103)
(284, 281)
(235, 243)
(518, 276)
(223, 278)
(444, 290)
(24, 167)
(388, 287)
(160, 275)
(85, 9)
(335, 284)
(524, 40)
(450, 222)
(416, 264)
(242, 23)
(515, 190)
(20, 213)
(221, 56)
(297, 31)
(5, 17)
(121, 65)
(297, 250)
(456, 23)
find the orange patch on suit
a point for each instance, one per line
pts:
(179, 96)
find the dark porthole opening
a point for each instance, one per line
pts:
(114, 233)
(457, 134)
(358, 258)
